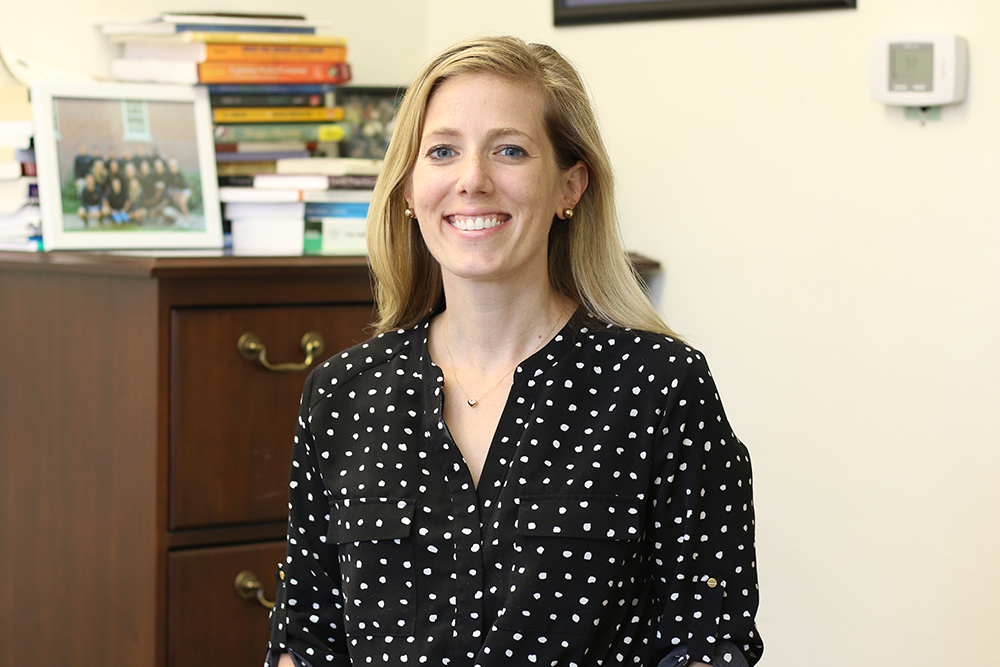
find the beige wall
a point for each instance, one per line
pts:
(839, 265)
(386, 37)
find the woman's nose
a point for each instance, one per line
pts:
(475, 178)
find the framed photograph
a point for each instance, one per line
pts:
(369, 116)
(574, 12)
(124, 166)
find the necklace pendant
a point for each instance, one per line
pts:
(473, 402)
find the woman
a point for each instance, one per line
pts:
(116, 202)
(100, 173)
(135, 195)
(146, 177)
(81, 167)
(114, 171)
(177, 187)
(155, 203)
(90, 202)
(525, 466)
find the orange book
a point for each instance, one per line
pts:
(200, 52)
(276, 53)
(275, 72)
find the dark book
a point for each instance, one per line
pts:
(269, 88)
(236, 181)
(305, 100)
(243, 15)
(259, 157)
(265, 146)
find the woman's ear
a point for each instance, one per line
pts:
(408, 194)
(576, 177)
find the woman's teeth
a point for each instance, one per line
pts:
(466, 224)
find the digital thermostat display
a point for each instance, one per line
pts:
(919, 69)
(911, 66)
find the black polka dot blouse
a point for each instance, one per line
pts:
(612, 525)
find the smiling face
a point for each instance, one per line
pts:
(485, 186)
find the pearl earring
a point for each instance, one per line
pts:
(408, 213)
(568, 213)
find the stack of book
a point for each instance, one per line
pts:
(226, 48)
(257, 124)
(332, 194)
(271, 82)
(271, 79)
(329, 196)
(20, 216)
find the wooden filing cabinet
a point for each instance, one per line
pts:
(143, 460)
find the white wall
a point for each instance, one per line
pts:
(386, 38)
(837, 263)
(840, 266)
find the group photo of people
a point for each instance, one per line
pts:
(137, 188)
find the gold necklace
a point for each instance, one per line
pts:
(473, 402)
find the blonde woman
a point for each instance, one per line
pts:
(100, 173)
(525, 466)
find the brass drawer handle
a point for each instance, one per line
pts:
(252, 348)
(248, 586)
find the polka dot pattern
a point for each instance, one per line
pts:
(612, 525)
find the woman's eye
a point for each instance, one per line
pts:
(440, 153)
(512, 151)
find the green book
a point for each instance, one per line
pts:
(313, 239)
(237, 132)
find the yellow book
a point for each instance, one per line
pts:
(245, 168)
(277, 114)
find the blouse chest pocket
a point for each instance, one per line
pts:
(376, 564)
(575, 559)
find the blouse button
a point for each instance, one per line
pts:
(712, 583)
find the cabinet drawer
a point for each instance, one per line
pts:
(232, 421)
(208, 623)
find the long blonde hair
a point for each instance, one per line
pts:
(587, 260)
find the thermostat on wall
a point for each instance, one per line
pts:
(919, 69)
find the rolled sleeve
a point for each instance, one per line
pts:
(703, 528)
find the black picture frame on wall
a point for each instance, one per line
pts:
(576, 12)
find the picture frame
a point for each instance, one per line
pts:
(154, 140)
(578, 12)
(369, 118)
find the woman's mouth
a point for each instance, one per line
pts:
(469, 223)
